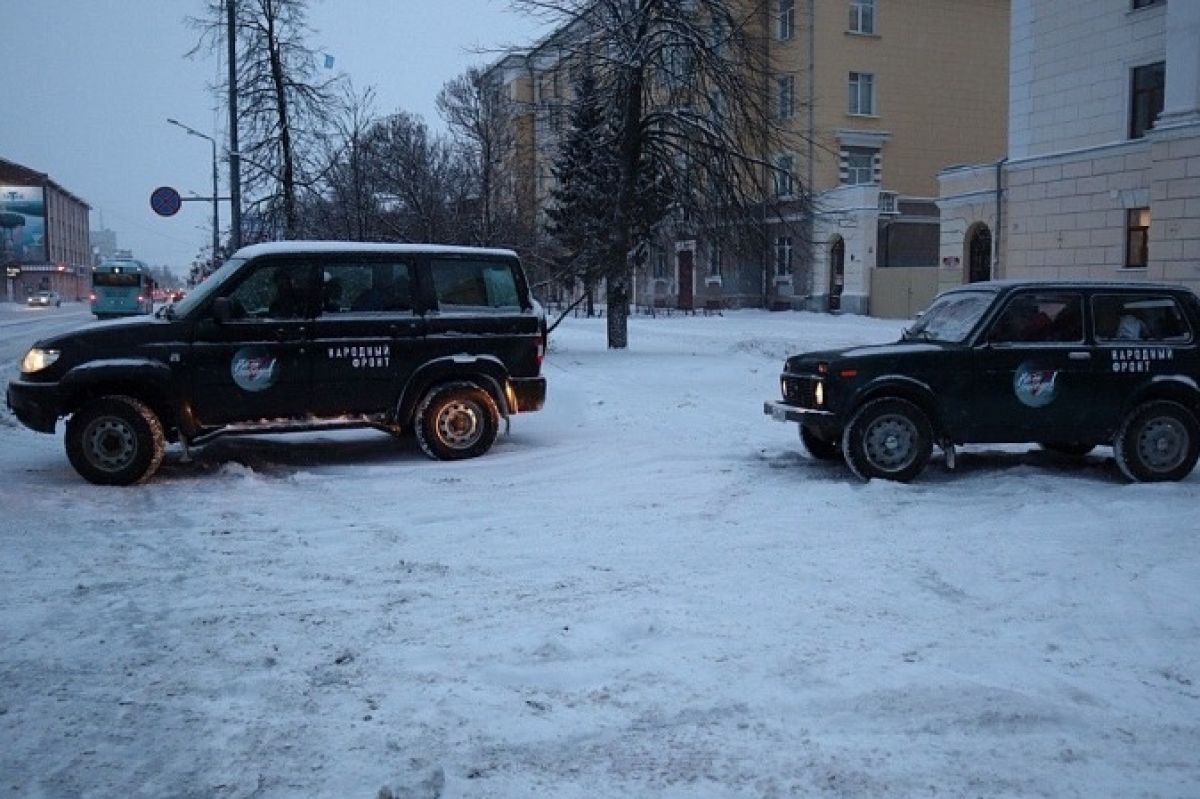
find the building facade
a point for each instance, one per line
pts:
(1102, 178)
(883, 94)
(43, 235)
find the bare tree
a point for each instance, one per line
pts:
(419, 180)
(352, 207)
(478, 115)
(685, 84)
(283, 107)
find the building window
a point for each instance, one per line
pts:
(783, 256)
(862, 94)
(1147, 97)
(862, 16)
(1137, 238)
(859, 165)
(660, 263)
(787, 19)
(714, 259)
(786, 96)
(784, 179)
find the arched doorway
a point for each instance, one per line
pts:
(979, 254)
(837, 273)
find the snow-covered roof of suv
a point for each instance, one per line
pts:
(294, 247)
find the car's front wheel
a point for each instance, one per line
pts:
(457, 420)
(888, 438)
(115, 440)
(820, 448)
(1159, 441)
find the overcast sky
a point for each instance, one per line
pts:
(88, 85)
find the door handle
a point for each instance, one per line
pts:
(1079, 356)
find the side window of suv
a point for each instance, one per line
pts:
(369, 286)
(1039, 318)
(474, 285)
(273, 291)
(1139, 317)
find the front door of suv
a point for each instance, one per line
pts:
(1033, 371)
(256, 364)
(367, 335)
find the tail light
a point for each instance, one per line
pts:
(141, 298)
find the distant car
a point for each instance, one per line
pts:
(44, 299)
(177, 296)
(1068, 365)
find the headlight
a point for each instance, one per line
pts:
(38, 359)
(819, 393)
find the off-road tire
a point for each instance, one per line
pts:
(1159, 441)
(888, 438)
(456, 421)
(115, 440)
(820, 448)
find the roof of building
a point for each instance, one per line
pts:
(14, 174)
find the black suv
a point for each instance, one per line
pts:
(1069, 365)
(299, 336)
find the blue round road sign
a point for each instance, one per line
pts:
(165, 201)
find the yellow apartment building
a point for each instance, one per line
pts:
(883, 95)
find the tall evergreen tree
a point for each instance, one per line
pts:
(580, 216)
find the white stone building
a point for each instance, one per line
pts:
(1102, 178)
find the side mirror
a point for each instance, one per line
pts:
(222, 310)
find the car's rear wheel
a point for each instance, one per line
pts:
(1075, 449)
(888, 438)
(457, 420)
(115, 440)
(820, 448)
(1159, 441)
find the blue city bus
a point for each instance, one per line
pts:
(122, 288)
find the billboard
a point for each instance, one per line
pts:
(22, 225)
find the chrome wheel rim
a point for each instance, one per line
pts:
(890, 443)
(460, 424)
(110, 443)
(1162, 444)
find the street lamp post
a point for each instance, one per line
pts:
(216, 242)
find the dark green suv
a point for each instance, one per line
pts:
(446, 341)
(1069, 365)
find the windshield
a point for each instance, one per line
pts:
(203, 290)
(951, 317)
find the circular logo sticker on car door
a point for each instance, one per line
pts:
(1034, 386)
(254, 369)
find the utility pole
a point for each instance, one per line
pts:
(235, 164)
(216, 197)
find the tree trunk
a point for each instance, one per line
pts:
(618, 312)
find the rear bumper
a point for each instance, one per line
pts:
(36, 405)
(526, 394)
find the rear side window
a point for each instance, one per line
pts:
(1139, 317)
(475, 285)
(374, 286)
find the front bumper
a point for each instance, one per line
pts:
(36, 405)
(782, 412)
(526, 394)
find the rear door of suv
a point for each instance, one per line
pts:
(480, 305)
(368, 333)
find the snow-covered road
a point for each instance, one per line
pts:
(647, 589)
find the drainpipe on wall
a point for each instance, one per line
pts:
(812, 132)
(996, 239)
